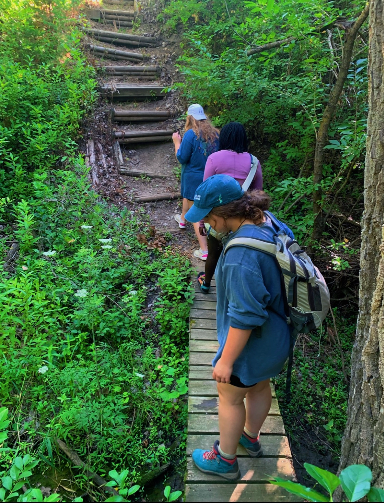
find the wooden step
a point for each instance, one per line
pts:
(131, 91)
(209, 423)
(107, 52)
(242, 492)
(204, 404)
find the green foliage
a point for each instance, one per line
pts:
(355, 481)
(171, 496)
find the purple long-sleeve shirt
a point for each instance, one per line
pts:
(227, 162)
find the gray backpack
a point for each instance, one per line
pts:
(306, 295)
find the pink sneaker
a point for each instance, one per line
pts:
(201, 254)
(179, 221)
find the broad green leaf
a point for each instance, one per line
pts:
(327, 479)
(19, 463)
(116, 498)
(14, 472)
(7, 483)
(52, 497)
(18, 485)
(356, 481)
(2, 494)
(3, 436)
(3, 413)
(133, 490)
(375, 494)
(167, 491)
(113, 474)
(175, 495)
(304, 492)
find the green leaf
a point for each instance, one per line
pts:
(356, 481)
(18, 486)
(53, 497)
(167, 491)
(327, 479)
(2, 494)
(133, 490)
(3, 436)
(3, 413)
(376, 494)
(19, 463)
(175, 495)
(7, 483)
(298, 490)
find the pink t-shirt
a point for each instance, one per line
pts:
(227, 162)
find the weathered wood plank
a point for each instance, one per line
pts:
(131, 90)
(205, 387)
(200, 359)
(241, 493)
(203, 323)
(203, 314)
(201, 373)
(209, 423)
(273, 445)
(207, 297)
(203, 345)
(251, 469)
(208, 335)
(208, 304)
(208, 404)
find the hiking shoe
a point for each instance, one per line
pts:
(201, 281)
(251, 445)
(179, 221)
(212, 462)
(200, 254)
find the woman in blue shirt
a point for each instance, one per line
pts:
(252, 329)
(200, 140)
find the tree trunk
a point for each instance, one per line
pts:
(322, 134)
(363, 437)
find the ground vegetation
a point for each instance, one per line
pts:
(93, 305)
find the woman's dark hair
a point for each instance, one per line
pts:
(251, 207)
(233, 137)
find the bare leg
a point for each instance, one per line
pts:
(202, 239)
(232, 414)
(258, 403)
(215, 248)
(185, 207)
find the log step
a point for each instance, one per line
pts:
(139, 115)
(134, 91)
(115, 53)
(119, 22)
(157, 197)
(139, 134)
(121, 38)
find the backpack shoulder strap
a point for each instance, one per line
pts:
(251, 174)
(258, 244)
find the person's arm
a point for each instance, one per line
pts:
(185, 150)
(236, 341)
(176, 138)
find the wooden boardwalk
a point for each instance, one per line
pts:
(203, 426)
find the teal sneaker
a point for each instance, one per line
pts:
(212, 462)
(251, 445)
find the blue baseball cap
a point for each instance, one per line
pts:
(217, 190)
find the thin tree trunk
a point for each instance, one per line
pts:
(363, 436)
(322, 134)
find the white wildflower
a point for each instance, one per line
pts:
(133, 292)
(49, 253)
(105, 240)
(81, 293)
(43, 370)
(86, 226)
(106, 247)
(139, 375)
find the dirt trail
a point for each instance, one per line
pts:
(154, 162)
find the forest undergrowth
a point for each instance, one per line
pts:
(93, 313)
(272, 66)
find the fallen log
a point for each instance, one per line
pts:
(125, 13)
(92, 162)
(117, 41)
(73, 456)
(140, 113)
(144, 139)
(119, 23)
(139, 134)
(157, 197)
(129, 69)
(116, 52)
(125, 171)
(118, 154)
(132, 90)
(11, 255)
(123, 36)
(101, 155)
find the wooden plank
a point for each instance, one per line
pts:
(203, 323)
(132, 90)
(203, 345)
(208, 297)
(205, 387)
(209, 335)
(207, 404)
(208, 304)
(209, 423)
(273, 445)
(242, 493)
(203, 314)
(202, 373)
(201, 359)
(251, 469)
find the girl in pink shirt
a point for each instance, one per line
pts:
(231, 159)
